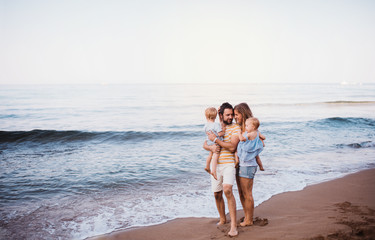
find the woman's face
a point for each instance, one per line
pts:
(238, 117)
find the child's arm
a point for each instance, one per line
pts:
(221, 133)
(220, 129)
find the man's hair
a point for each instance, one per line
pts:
(255, 122)
(223, 107)
(211, 113)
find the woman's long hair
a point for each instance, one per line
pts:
(246, 113)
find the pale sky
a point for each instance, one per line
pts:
(189, 41)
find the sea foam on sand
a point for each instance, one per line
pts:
(343, 208)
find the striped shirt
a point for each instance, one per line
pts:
(227, 156)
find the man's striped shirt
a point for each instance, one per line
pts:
(227, 156)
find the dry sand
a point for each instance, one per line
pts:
(339, 209)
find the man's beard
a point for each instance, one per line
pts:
(227, 122)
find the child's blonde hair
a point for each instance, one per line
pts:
(211, 113)
(254, 121)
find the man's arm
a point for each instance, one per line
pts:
(213, 148)
(231, 146)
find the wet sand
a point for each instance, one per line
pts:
(339, 209)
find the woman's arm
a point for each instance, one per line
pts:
(237, 159)
(241, 137)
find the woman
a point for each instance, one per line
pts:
(245, 184)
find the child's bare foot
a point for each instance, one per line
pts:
(208, 170)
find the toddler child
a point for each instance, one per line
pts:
(214, 127)
(251, 143)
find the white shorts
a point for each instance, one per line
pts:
(226, 174)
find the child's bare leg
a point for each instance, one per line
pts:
(215, 157)
(208, 162)
(259, 162)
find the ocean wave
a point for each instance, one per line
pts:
(332, 121)
(348, 120)
(7, 116)
(46, 136)
(367, 144)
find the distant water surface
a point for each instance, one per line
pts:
(82, 160)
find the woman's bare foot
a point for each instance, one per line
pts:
(221, 222)
(245, 224)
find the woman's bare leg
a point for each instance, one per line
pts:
(248, 206)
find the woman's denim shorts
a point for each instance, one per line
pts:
(247, 172)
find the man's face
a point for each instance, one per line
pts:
(228, 116)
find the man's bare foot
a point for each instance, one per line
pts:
(208, 170)
(233, 233)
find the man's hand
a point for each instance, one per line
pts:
(213, 148)
(216, 148)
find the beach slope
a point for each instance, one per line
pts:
(339, 209)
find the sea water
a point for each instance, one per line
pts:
(82, 160)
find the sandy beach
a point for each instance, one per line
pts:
(339, 209)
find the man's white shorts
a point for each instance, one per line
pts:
(226, 174)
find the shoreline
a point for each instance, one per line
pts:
(342, 208)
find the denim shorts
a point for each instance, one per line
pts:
(247, 172)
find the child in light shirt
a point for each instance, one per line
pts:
(218, 130)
